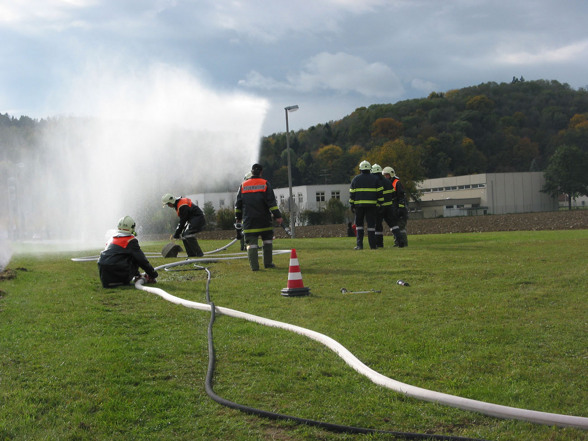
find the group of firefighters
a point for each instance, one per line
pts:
(376, 195)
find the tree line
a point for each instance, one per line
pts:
(488, 128)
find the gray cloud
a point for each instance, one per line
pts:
(330, 55)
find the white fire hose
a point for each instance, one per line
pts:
(495, 410)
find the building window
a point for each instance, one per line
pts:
(221, 203)
(336, 195)
(320, 196)
(300, 198)
(282, 198)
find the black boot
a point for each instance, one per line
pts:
(359, 239)
(372, 239)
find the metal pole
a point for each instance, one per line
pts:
(292, 215)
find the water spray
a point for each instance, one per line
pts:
(5, 254)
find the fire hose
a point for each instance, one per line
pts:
(490, 409)
(250, 410)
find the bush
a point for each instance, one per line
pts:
(309, 217)
(225, 219)
(209, 215)
(335, 212)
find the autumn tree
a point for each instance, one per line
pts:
(387, 128)
(405, 159)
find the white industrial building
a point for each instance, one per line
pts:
(486, 193)
(471, 195)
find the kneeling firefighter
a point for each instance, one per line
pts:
(120, 261)
(192, 221)
(254, 207)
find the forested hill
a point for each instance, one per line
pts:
(487, 128)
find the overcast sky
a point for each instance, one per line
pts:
(327, 56)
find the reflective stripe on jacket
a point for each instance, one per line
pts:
(255, 205)
(366, 190)
(388, 190)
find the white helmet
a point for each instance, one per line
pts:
(389, 171)
(126, 224)
(376, 168)
(168, 198)
(364, 165)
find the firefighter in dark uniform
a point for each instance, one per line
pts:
(120, 261)
(400, 210)
(364, 196)
(385, 209)
(192, 221)
(254, 207)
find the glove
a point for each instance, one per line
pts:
(149, 279)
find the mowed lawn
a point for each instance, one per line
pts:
(496, 317)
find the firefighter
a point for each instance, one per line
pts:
(365, 194)
(254, 207)
(120, 261)
(400, 211)
(192, 221)
(385, 210)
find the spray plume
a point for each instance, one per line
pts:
(136, 135)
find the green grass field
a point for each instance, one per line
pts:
(496, 317)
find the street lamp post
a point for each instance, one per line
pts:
(292, 216)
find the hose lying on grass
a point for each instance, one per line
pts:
(247, 409)
(495, 410)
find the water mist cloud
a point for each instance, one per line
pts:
(5, 252)
(131, 136)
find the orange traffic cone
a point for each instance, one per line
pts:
(295, 286)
